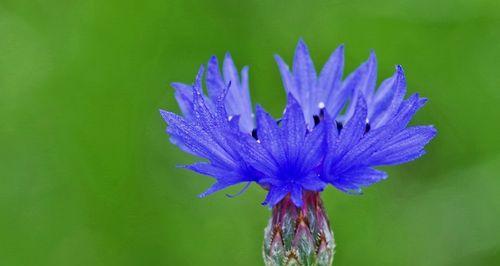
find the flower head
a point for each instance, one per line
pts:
(333, 130)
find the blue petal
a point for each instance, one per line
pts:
(230, 71)
(269, 135)
(406, 146)
(219, 185)
(208, 169)
(364, 84)
(215, 84)
(297, 195)
(337, 101)
(234, 122)
(294, 128)
(332, 132)
(197, 142)
(184, 97)
(352, 131)
(367, 86)
(381, 100)
(314, 148)
(225, 177)
(329, 80)
(247, 123)
(376, 139)
(287, 77)
(238, 97)
(353, 180)
(398, 91)
(256, 155)
(305, 78)
(214, 123)
(331, 142)
(312, 182)
(407, 110)
(275, 195)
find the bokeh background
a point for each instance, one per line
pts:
(88, 177)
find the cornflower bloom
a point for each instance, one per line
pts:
(333, 131)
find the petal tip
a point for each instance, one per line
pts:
(400, 70)
(213, 60)
(301, 47)
(165, 115)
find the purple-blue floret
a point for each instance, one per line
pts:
(333, 130)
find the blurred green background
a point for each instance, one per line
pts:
(88, 177)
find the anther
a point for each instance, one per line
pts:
(254, 134)
(367, 127)
(339, 126)
(316, 120)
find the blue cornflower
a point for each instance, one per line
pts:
(333, 130)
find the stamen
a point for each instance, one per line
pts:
(316, 120)
(367, 127)
(339, 126)
(321, 113)
(254, 134)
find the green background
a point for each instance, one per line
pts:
(88, 177)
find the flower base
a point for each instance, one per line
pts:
(299, 235)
